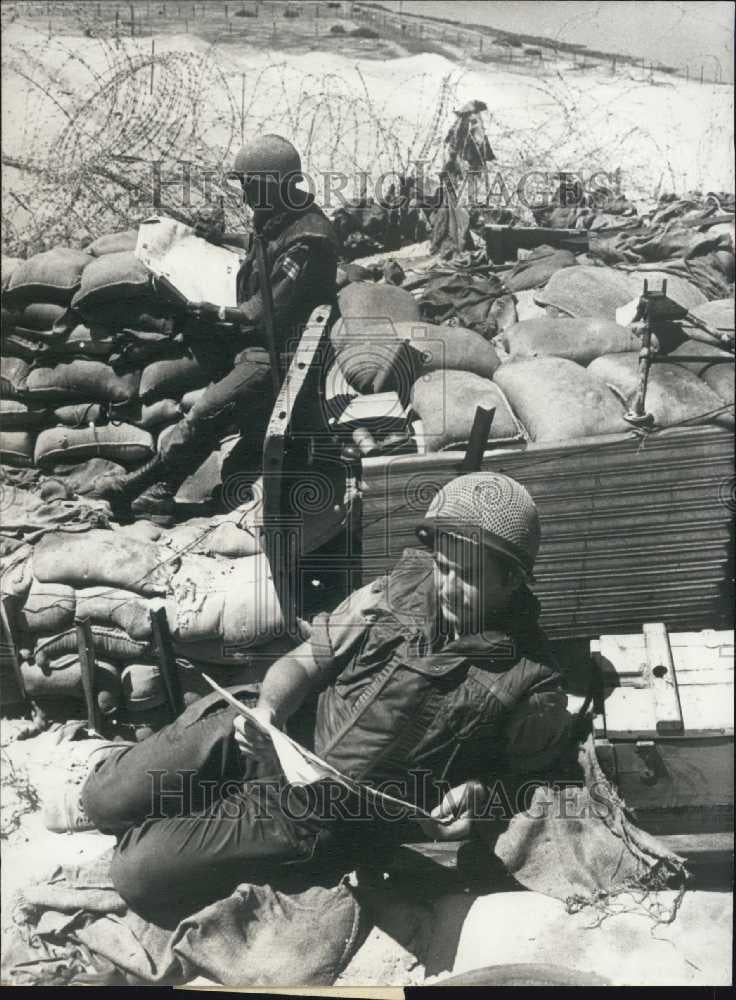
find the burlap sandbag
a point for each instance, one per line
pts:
(450, 347)
(160, 413)
(112, 279)
(674, 394)
(446, 402)
(233, 601)
(90, 342)
(586, 291)
(44, 316)
(170, 379)
(142, 687)
(80, 414)
(526, 307)
(121, 443)
(52, 276)
(189, 399)
(16, 448)
(103, 558)
(364, 338)
(13, 374)
(120, 608)
(16, 416)
(113, 243)
(720, 378)
(558, 400)
(112, 643)
(81, 380)
(684, 292)
(718, 313)
(49, 608)
(578, 340)
(8, 267)
(62, 678)
(701, 350)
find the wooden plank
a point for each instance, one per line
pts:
(661, 678)
(87, 663)
(6, 617)
(167, 662)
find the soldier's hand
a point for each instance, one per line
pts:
(253, 742)
(463, 806)
(203, 310)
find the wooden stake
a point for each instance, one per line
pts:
(167, 662)
(153, 63)
(7, 630)
(242, 108)
(87, 664)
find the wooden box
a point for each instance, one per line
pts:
(664, 733)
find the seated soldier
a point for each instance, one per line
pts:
(431, 681)
(301, 254)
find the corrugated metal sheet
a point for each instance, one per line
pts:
(633, 530)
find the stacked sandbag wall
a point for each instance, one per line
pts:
(92, 364)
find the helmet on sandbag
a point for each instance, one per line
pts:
(491, 508)
(269, 156)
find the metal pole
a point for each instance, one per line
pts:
(132, 21)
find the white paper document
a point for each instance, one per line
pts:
(302, 767)
(199, 271)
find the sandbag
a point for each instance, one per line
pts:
(233, 601)
(125, 241)
(13, 374)
(104, 558)
(62, 678)
(578, 340)
(586, 291)
(49, 607)
(16, 573)
(81, 380)
(450, 347)
(536, 269)
(142, 687)
(189, 399)
(80, 478)
(113, 278)
(16, 416)
(121, 443)
(558, 400)
(446, 402)
(91, 342)
(372, 364)
(720, 378)
(684, 292)
(52, 276)
(8, 266)
(120, 608)
(16, 448)
(718, 313)
(375, 305)
(43, 316)
(526, 307)
(170, 379)
(674, 394)
(80, 414)
(163, 411)
(111, 643)
(697, 347)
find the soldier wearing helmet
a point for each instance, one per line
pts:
(301, 253)
(431, 683)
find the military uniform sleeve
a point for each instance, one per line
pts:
(337, 636)
(290, 271)
(537, 732)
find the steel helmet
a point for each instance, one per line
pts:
(271, 155)
(489, 505)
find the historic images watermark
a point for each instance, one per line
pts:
(391, 801)
(188, 186)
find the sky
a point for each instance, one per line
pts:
(672, 33)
